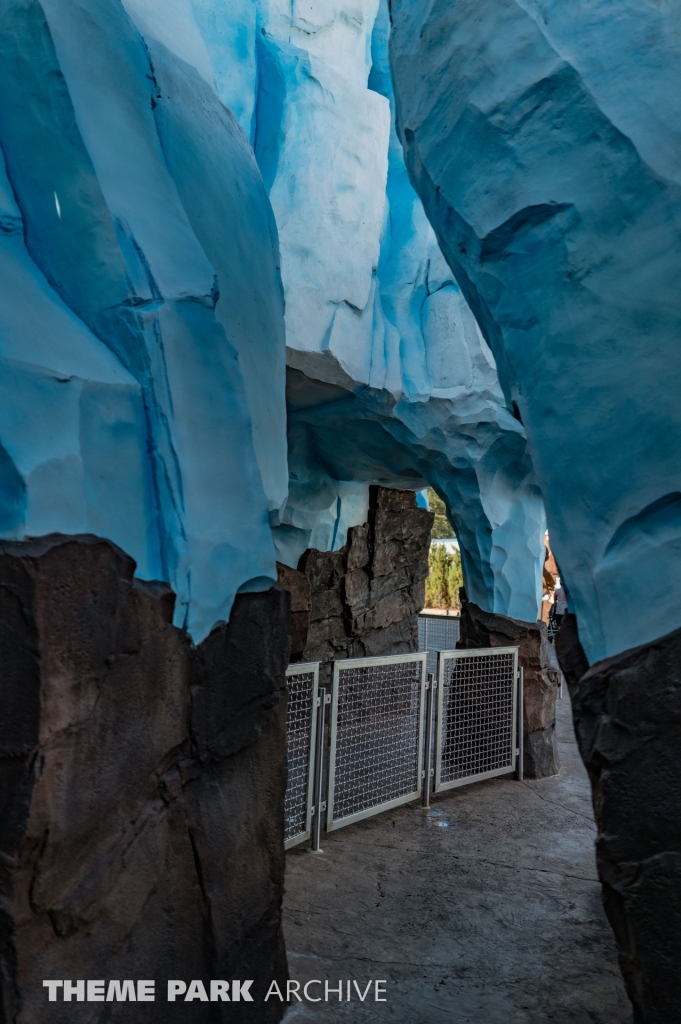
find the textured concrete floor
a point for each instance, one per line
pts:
(484, 909)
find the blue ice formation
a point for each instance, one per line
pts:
(545, 141)
(389, 378)
(142, 331)
(141, 304)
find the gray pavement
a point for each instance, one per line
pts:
(484, 909)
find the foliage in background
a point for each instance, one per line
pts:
(441, 527)
(445, 579)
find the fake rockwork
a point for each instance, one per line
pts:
(363, 600)
(627, 711)
(142, 782)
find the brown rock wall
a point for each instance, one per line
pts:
(365, 598)
(298, 586)
(627, 715)
(141, 788)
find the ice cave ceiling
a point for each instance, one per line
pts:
(205, 202)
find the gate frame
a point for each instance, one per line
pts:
(370, 812)
(300, 668)
(475, 652)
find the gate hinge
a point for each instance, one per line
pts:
(327, 698)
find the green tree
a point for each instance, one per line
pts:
(445, 578)
(442, 528)
(455, 579)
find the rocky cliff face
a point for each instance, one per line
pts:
(365, 598)
(142, 783)
(627, 713)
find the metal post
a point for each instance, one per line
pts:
(319, 804)
(521, 731)
(430, 691)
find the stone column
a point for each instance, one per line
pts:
(486, 629)
(142, 788)
(627, 713)
(365, 598)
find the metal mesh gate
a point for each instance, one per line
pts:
(477, 714)
(378, 730)
(377, 724)
(437, 633)
(303, 682)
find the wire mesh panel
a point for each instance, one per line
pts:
(376, 736)
(303, 682)
(476, 725)
(437, 633)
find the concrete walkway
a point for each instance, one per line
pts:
(483, 910)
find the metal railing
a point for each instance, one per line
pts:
(384, 749)
(437, 633)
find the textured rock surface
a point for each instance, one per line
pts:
(141, 783)
(141, 297)
(627, 713)
(543, 139)
(540, 680)
(570, 652)
(367, 596)
(298, 586)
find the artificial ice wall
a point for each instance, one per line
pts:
(145, 240)
(141, 298)
(389, 378)
(551, 175)
(544, 140)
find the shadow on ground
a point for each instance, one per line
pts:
(484, 909)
